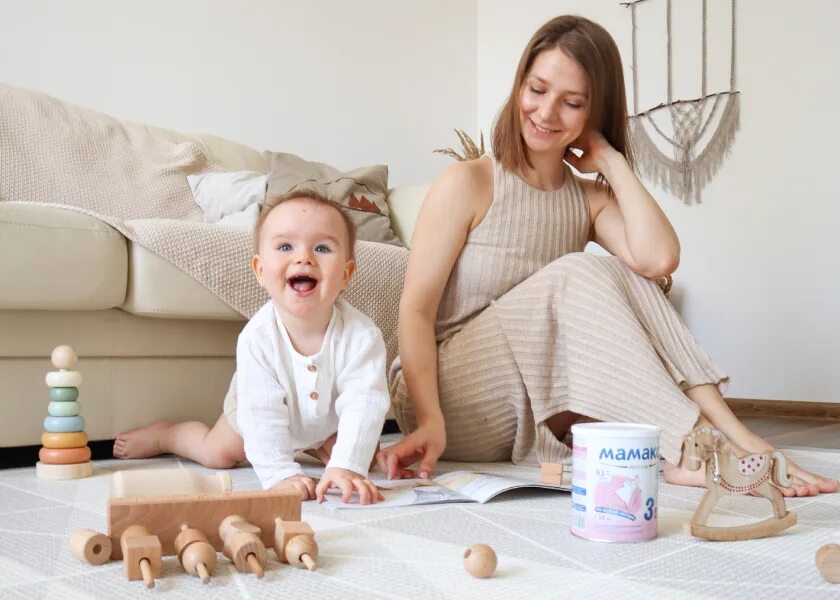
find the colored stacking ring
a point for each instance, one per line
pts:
(64, 456)
(64, 424)
(76, 439)
(64, 394)
(64, 379)
(64, 409)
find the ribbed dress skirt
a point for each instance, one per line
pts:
(530, 326)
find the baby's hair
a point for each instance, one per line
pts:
(315, 198)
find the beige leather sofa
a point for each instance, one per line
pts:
(152, 342)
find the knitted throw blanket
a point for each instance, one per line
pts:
(55, 153)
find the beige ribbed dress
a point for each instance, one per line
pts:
(530, 326)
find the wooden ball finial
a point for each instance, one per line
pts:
(302, 550)
(828, 562)
(64, 357)
(480, 560)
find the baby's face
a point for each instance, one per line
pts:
(303, 261)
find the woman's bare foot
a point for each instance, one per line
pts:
(682, 476)
(143, 442)
(806, 483)
(803, 483)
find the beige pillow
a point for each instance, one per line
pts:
(362, 191)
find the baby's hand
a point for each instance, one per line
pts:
(303, 484)
(347, 482)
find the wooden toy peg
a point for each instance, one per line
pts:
(828, 562)
(141, 555)
(294, 543)
(302, 551)
(195, 553)
(91, 546)
(242, 544)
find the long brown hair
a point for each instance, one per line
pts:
(594, 49)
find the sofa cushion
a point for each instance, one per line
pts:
(156, 288)
(362, 191)
(52, 258)
(405, 203)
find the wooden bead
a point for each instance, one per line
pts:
(64, 357)
(64, 394)
(480, 560)
(75, 439)
(64, 456)
(64, 424)
(63, 409)
(91, 546)
(63, 379)
(199, 559)
(302, 551)
(828, 562)
(195, 553)
(60, 472)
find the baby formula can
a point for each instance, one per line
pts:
(615, 481)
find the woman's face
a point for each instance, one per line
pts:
(553, 102)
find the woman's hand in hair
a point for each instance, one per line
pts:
(594, 150)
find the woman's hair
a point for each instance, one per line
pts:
(594, 49)
(315, 198)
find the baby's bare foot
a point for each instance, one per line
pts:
(141, 443)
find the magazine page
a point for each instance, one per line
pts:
(481, 487)
(455, 486)
(400, 492)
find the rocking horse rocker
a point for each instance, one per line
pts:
(728, 475)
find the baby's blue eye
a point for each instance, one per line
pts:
(322, 249)
(284, 247)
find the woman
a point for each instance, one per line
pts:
(508, 333)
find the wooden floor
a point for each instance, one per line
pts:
(796, 433)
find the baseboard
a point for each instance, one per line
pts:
(786, 409)
(27, 456)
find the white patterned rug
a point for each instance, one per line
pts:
(415, 552)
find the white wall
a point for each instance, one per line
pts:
(759, 282)
(348, 83)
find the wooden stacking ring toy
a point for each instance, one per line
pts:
(74, 439)
(64, 456)
(64, 424)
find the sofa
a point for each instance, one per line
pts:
(152, 342)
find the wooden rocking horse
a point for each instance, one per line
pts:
(728, 475)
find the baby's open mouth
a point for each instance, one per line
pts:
(303, 283)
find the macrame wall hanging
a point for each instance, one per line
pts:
(681, 144)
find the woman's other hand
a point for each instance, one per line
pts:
(425, 444)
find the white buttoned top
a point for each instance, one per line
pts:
(289, 402)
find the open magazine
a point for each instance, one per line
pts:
(456, 486)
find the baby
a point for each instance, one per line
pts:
(310, 367)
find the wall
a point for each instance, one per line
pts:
(349, 83)
(759, 279)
